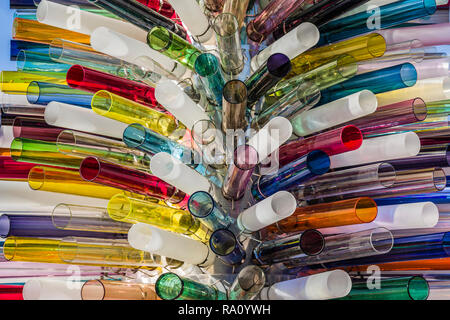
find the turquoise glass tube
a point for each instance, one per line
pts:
(208, 68)
(377, 18)
(30, 61)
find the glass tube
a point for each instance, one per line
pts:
(29, 61)
(409, 265)
(86, 218)
(309, 243)
(426, 34)
(267, 76)
(43, 93)
(30, 110)
(41, 152)
(332, 142)
(227, 29)
(82, 78)
(173, 46)
(83, 145)
(42, 226)
(17, 45)
(237, 8)
(67, 181)
(33, 128)
(34, 31)
(291, 175)
(13, 170)
(117, 290)
(429, 156)
(234, 105)
(203, 207)
(170, 286)
(247, 284)
(115, 107)
(389, 15)
(210, 141)
(108, 174)
(408, 288)
(208, 68)
(267, 20)
(16, 82)
(339, 213)
(226, 246)
(11, 292)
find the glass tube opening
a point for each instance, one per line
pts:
(36, 178)
(119, 207)
(351, 137)
(439, 179)
(93, 290)
(17, 127)
(102, 101)
(278, 124)
(419, 109)
(61, 216)
(418, 288)
(33, 92)
(169, 286)
(408, 74)
(346, 66)
(429, 216)
(21, 59)
(367, 101)
(308, 35)
(338, 283)
(381, 240)
(90, 168)
(206, 65)
(5, 225)
(222, 242)
(9, 248)
(200, 204)
(159, 38)
(386, 174)
(55, 50)
(66, 136)
(225, 25)
(283, 204)
(204, 132)
(251, 279)
(134, 135)
(318, 162)
(279, 65)
(68, 249)
(245, 157)
(366, 210)
(75, 75)
(430, 6)
(312, 242)
(16, 148)
(235, 92)
(373, 45)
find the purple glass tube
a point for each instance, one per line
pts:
(428, 157)
(270, 18)
(240, 172)
(42, 226)
(33, 128)
(434, 137)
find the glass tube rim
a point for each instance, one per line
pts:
(228, 96)
(408, 74)
(162, 277)
(347, 135)
(279, 70)
(53, 216)
(227, 232)
(375, 37)
(420, 111)
(251, 165)
(138, 127)
(211, 201)
(365, 200)
(439, 179)
(76, 72)
(99, 108)
(36, 172)
(413, 278)
(162, 29)
(21, 60)
(110, 210)
(90, 161)
(380, 230)
(31, 86)
(254, 284)
(302, 244)
(320, 156)
(8, 221)
(233, 19)
(214, 63)
(89, 282)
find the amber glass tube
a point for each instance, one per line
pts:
(117, 290)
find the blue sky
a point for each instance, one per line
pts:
(6, 18)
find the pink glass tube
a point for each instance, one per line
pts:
(11, 292)
(14, 170)
(240, 172)
(332, 142)
(392, 115)
(160, 6)
(33, 128)
(94, 170)
(268, 20)
(82, 78)
(429, 35)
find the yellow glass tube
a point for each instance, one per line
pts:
(67, 181)
(34, 31)
(361, 48)
(118, 108)
(31, 250)
(131, 210)
(16, 82)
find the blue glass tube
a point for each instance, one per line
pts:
(43, 93)
(435, 197)
(379, 81)
(291, 175)
(224, 244)
(378, 18)
(30, 61)
(208, 68)
(31, 4)
(138, 137)
(42, 226)
(202, 206)
(17, 45)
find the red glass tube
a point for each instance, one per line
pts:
(14, 170)
(160, 6)
(108, 174)
(34, 128)
(82, 78)
(8, 292)
(332, 142)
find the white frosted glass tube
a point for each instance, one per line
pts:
(352, 107)
(18, 196)
(145, 237)
(121, 46)
(82, 119)
(14, 99)
(322, 286)
(272, 209)
(428, 90)
(6, 136)
(428, 35)
(193, 18)
(81, 21)
(276, 132)
(179, 175)
(390, 147)
(303, 37)
(51, 289)
(396, 217)
(178, 103)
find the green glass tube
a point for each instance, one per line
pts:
(405, 288)
(173, 46)
(170, 286)
(41, 152)
(30, 61)
(208, 68)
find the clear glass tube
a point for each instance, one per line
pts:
(247, 284)
(29, 61)
(238, 8)
(43, 93)
(15, 82)
(210, 141)
(208, 68)
(203, 207)
(226, 246)
(25, 110)
(426, 34)
(117, 290)
(170, 286)
(234, 105)
(227, 29)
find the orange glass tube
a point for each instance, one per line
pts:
(34, 31)
(117, 290)
(324, 215)
(426, 264)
